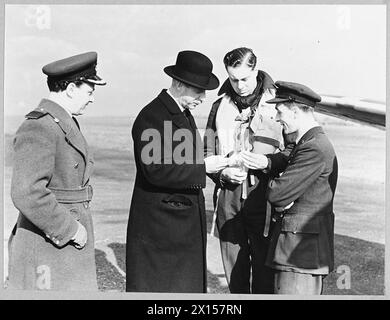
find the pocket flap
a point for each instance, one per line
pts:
(178, 198)
(299, 223)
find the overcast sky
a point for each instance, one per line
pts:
(333, 49)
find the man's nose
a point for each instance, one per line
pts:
(240, 85)
(91, 99)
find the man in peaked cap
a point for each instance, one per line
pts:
(52, 244)
(302, 192)
(166, 232)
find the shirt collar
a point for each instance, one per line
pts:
(177, 102)
(57, 102)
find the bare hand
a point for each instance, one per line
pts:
(254, 161)
(234, 175)
(235, 160)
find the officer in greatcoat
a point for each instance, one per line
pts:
(166, 233)
(52, 244)
(302, 191)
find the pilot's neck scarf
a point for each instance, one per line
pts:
(250, 101)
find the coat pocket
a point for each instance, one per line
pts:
(298, 242)
(177, 201)
(300, 224)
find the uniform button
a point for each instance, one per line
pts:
(76, 165)
(86, 205)
(56, 120)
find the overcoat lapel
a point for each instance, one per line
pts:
(75, 139)
(72, 133)
(178, 117)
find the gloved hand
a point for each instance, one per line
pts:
(80, 238)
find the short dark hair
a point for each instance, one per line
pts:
(240, 56)
(61, 85)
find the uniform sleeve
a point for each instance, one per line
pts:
(165, 172)
(305, 167)
(277, 162)
(34, 164)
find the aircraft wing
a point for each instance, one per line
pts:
(368, 112)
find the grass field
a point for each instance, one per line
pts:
(359, 203)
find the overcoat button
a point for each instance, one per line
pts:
(76, 165)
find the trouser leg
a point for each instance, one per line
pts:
(235, 255)
(262, 276)
(297, 283)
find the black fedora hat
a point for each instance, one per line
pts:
(195, 69)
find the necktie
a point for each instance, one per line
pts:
(190, 118)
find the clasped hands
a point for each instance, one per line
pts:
(235, 168)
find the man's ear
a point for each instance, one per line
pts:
(180, 87)
(70, 88)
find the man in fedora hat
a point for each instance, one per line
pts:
(301, 248)
(166, 233)
(52, 245)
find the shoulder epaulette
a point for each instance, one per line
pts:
(36, 114)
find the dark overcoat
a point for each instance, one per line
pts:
(166, 233)
(302, 240)
(52, 167)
